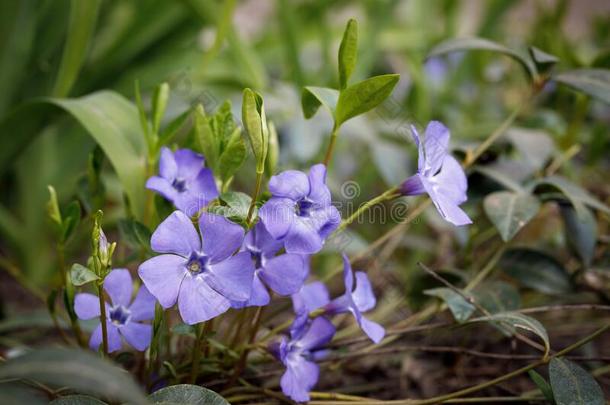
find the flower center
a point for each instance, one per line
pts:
(304, 207)
(179, 185)
(197, 263)
(119, 315)
(256, 255)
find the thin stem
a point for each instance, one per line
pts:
(100, 290)
(331, 145)
(241, 364)
(196, 354)
(388, 195)
(257, 189)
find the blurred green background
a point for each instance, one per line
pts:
(208, 51)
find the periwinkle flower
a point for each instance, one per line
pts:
(357, 300)
(200, 272)
(123, 317)
(438, 174)
(183, 180)
(284, 273)
(300, 212)
(299, 354)
(310, 297)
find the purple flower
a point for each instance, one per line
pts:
(299, 354)
(300, 212)
(438, 174)
(123, 316)
(309, 298)
(201, 273)
(357, 300)
(183, 180)
(284, 274)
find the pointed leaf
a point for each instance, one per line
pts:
(510, 211)
(313, 97)
(186, 394)
(459, 307)
(80, 275)
(233, 155)
(518, 321)
(364, 96)
(348, 51)
(573, 385)
(542, 384)
(594, 82)
(580, 232)
(577, 196)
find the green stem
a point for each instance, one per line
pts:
(241, 364)
(386, 196)
(257, 189)
(69, 289)
(331, 145)
(100, 290)
(196, 354)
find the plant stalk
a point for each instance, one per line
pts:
(100, 290)
(331, 145)
(257, 189)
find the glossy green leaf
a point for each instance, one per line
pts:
(510, 211)
(536, 269)
(580, 232)
(482, 44)
(516, 320)
(83, 16)
(81, 275)
(573, 385)
(77, 400)
(77, 369)
(205, 137)
(364, 96)
(313, 97)
(253, 117)
(348, 52)
(577, 196)
(234, 206)
(53, 207)
(542, 384)
(186, 394)
(459, 307)
(233, 155)
(594, 82)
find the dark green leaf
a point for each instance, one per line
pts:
(17, 393)
(594, 82)
(460, 308)
(542, 384)
(186, 394)
(71, 220)
(208, 142)
(233, 155)
(572, 385)
(83, 16)
(544, 61)
(482, 44)
(497, 296)
(364, 96)
(313, 97)
(577, 196)
(234, 206)
(80, 275)
(516, 320)
(510, 211)
(536, 270)
(348, 51)
(135, 233)
(580, 232)
(77, 400)
(79, 370)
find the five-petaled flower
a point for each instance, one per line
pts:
(123, 317)
(299, 354)
(300, 212)
(284, 273)
(438, 174)
(357, 300)
(183, 180)
(200, 272)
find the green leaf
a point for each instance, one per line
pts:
(313, 97)
(184, 329)
(186, 394)
(19, 393)
(159, 103)
(573, 385)
(135, 233)
(255, 123)
(364, 96)
(81, 275)
(174, 127)
(498, 177)
(233, 156)
(273, 154)
(497, 296)
(536, 270)
(460, 308)
(542, 384)
(580, 232)
(71, 220)
(53, 207)
(577, 196)
(77, 400)
(77, 369)
(510, 211)
(594, 82)
(482, 44)
(348, 52)
(234, 206)
(516, 320)
(206, 138)
(83, 15)
(543, 61)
